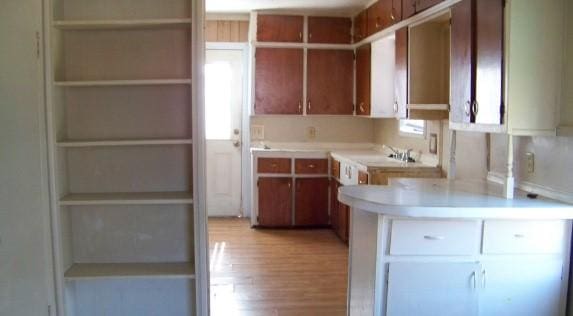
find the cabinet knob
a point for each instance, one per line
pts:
(300, 106)
(432, 237)
(274, 165)
(300, 35)
(475, 107)
(311, 166)
(392, 15)
(396, 107)
(308, 105)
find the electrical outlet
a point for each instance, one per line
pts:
(257, 132)
(530, 158)
(311, 132)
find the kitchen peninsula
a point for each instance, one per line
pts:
(437, 247)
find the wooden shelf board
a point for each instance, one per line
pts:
(139, 142)
(152, 82)
(119, 24)
(86, 271)
(138, 198)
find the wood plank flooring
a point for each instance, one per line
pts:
(274, 272)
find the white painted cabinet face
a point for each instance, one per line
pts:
(382, 78)
(432, 289)
(531, 287)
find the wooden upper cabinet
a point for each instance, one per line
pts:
(362, 177)
(462, 73)
(378, 16)
(401, 73)
(311, 202)
(275, 202)
(330, 82)
(396, 11)
(411, 7)
(363, 80)
(477, 62)
(488, 108)
(361, 26)
(278, 81)
(329, 30)
(279, 28)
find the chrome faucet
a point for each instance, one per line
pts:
(405, 156)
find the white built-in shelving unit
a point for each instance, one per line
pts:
(120, 118)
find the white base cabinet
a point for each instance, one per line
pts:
(505, 271)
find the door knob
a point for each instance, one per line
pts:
(237, 143)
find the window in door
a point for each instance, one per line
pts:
(218, 77)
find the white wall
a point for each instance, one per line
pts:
(25, 255)
(328, 128)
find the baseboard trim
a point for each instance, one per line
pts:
(567, 197)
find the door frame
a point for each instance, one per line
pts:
(245, 210)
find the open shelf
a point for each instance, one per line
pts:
(108, 143)
(95, 83)
(120, 24)
(86, 271)
(127, 198)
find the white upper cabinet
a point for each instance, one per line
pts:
(382, 78)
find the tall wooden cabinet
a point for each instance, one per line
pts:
(120, 121)
(363, 80)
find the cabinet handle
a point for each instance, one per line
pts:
(308, 105)
(309, 35)
(300, 35)
(300, 106)
(483, 279)
(430, 237)
(475, 108)
(392, 16)
(395, 107)
(467, 108)
(378, 22)
(311, 166)
(361, 107)
(288, 184)
(474, 280)
(274, 165)
(519, 236)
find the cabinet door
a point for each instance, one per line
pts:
(279, 28)
(422, 5)
(401, 73)
(382, 92)
(363, 80)
(329, 30)
(425, 289)
(461, 63)
(360, 26)
(278, 81)
(396, 11)
(377, 19)
(343, 222)
(522, 287)
(489, 61)
(275, 202)
(311, 202)
(408, 8)
(329, 82)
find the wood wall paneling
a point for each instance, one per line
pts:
(226, 31)
(330, 82)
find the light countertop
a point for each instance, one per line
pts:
(442, 198)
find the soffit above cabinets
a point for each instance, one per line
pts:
(330, 7)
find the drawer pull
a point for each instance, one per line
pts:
(274, 165)
(519, 236)
(311, 166)
(429, 237)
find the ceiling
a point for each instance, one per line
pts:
(335, 7)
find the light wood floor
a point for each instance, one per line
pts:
(276, 272)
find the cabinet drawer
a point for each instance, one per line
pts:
(273, 165)
(312, 166)
(410, 237)
(523, 237)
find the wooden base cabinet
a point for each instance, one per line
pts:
(275, 202)
(311, 202)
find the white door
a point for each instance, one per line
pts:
(433, 289)
(224, 79)
(25, 256)
(523, 287)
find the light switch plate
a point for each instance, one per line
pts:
(257, 132)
